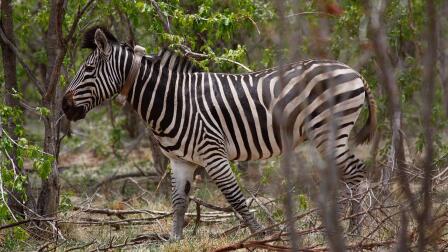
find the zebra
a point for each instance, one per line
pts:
(209, 119)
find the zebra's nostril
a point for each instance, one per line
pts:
(72, 112)
(68, 99)
(65, 105)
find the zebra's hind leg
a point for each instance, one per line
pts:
(181, 182)
(221, 173)
(351, 169)
(353, 174)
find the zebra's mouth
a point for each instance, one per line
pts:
(75, 113)
(72, 112)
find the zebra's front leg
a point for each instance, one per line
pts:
(181, 182)
(221, 173)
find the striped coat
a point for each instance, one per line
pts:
(206, 119)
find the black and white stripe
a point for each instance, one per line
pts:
(206, 119)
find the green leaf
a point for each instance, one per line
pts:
(43, 167)
(43, 111)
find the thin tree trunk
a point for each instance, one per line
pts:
(430, 62)
(381, 48)
(48, 201)
(9, 67)
(132, 124)
(160, 165)
(287, 145)
(330, 174)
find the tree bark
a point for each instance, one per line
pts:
(48, 201)
(381, 48)
(160, 165)
(132, 124)
(9, 67)
(430, 63)
(286, 143)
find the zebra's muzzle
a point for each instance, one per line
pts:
(72, 112)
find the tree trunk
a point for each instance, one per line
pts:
(9, 67)
(48, 201)
(132, 124)
(160, 165)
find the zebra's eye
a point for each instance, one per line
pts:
(90, 65)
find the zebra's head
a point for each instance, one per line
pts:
(99, 77)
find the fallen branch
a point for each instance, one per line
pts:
(229, 231)
(119, 212)
(79, 248)
(109, 212)
(135, 221)
(263, 244)
(151, 237)
(262, 206)
(356, 247)
(111, 246)
(297, 217)
(208, 205)
(18, 223)
(123, 176)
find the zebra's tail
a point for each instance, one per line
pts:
(368, 130)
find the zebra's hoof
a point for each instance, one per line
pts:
(266, 233)
(175, 237)
(260, 233)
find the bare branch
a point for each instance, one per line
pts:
(122, 176)
(25, 66)
(163, 18)
(78, 16)
(201, 56)
(18, 223)
(208, 205)
(318, 13)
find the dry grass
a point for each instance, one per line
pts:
(87, 161)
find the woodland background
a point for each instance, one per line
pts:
(101, 183)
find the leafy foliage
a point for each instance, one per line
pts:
(242, 31)
(24, 151)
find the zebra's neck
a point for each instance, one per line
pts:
(159, 87)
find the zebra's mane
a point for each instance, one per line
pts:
(191, 64)
(89, 37)
(89, 42)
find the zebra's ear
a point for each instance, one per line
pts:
(102, 42)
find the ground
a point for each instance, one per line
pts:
(91, 214)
